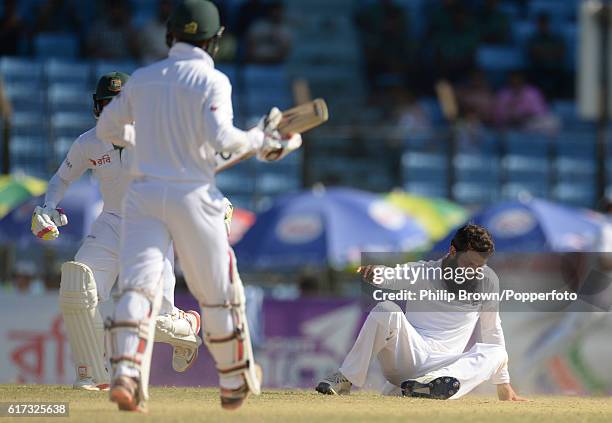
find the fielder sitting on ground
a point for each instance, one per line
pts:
(89, 279)
(422, 352)
(182, 111)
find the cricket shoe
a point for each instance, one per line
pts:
(183, 357)
(336, 384)
(180, 329)
(439, 388)
(232, 399)
(89, 384)
(124, 391)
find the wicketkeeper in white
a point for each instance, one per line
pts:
(89, 279)
(422, 352)
(182, 110)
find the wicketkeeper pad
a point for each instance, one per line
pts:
(78, 301)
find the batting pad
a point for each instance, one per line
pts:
(82, 321)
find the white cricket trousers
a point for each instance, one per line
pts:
(403, 354)
(100, 252)
(191, 216)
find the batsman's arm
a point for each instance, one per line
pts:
(115, 123)
(218, 122)
(71, 169)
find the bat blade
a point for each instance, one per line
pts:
(296, 120)
(304, 117)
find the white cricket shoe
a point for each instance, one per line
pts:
(336, 384)
(183, 357)
(89, 384)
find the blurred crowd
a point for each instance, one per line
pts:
(256, 30)
(404, 62)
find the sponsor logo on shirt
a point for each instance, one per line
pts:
(102, 160)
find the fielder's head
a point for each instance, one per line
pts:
(471, 246)
(108, 86)
(195, 22)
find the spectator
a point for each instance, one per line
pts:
(269, 38)
(153, 34)
(249, 12)
(546, 52)
(57, 16)
(455, 47)
(476, 99)
(11, 29)
(493, 24)
(111, 35)
(522, 106)
(382, 25)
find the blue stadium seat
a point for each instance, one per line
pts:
(575, 144)
(559, 11)
(61, 146)
(576, 194)
(575, 169)
(17, 69)
(58, 71)
(481, 192)
(231, 72)
(473, 168)
(274, 183)
(263, 78)
(426, 189)
(69, 98)
(25, 97)
(234, 181)
(497, 58)
(511, 191)
(523, 30)
(65, 45)
(526, 144)
(71, 124)
(424, 168)
(523, 169)
(29, 155)
(566, 110)
(29, 124)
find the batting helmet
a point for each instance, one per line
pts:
(109, 85)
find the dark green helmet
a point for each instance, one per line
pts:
(195, 20)
(109, 85)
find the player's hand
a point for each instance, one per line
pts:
(46, 220)
(367, 272)
(277, 147)
(506, 393)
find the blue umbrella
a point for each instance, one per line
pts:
(81, 203)
(537, 225)
(330, 226)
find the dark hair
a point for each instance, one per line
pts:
(475, 238)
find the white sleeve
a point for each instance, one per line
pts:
(219, 125)
(55, 191)
(71, 169)
(115, 123)
(491, 331)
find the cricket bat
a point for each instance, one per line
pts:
(296, 120)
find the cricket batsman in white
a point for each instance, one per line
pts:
(422, 351)
(89, 279)
(182, 111)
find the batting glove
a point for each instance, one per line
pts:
(46, 220)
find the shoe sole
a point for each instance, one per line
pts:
(195, 355)
(440, 388)
(124, 400)
(237, 402)
(325, 389)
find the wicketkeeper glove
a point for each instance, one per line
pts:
(46, 220)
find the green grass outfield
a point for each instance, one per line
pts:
(288, 406)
